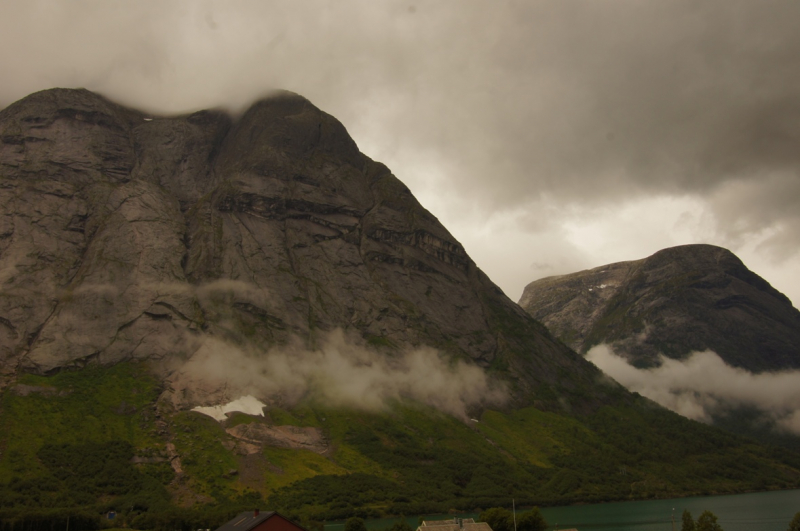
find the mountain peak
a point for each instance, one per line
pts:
(286, 127)
(679, 300)
(705, 257)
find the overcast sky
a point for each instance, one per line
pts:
(548, 136)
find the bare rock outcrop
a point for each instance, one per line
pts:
(296, 437)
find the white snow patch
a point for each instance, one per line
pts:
(246, 404)
(590, 289)
(601, 286)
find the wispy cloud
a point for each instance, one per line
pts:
(338, 373)
(703, 385)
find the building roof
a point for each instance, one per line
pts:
(451, 521)
(440, 527)
(246, 521)
(455, 524)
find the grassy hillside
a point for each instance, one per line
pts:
(85, 442)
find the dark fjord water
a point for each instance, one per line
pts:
(759, 511)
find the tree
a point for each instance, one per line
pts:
(355, 524)
(312, 525)
(795, 524)
(688, 522)
(499, 519)
(707, 522)
(531, 521)
(401, 525)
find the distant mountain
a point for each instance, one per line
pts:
(679, 300)
(150, 265)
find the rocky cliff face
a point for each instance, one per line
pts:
(682, 299)
(123, 236)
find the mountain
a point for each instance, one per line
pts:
(125, 236)
(679, 300)
(152, 265)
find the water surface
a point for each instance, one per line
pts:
(758, 511)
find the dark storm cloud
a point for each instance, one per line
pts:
(553, 108)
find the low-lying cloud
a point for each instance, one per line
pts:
(339, 373)
(703, 385)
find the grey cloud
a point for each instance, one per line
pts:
(765, 207)
(704, 385)
(340, 372)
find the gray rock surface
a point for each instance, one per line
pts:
(679, 300)
(126, 236)
(296, 437)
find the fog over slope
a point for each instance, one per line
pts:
(337, 374)
(703, 386)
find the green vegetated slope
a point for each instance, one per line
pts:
(97, 439)
(78, 444)
(434, 463)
